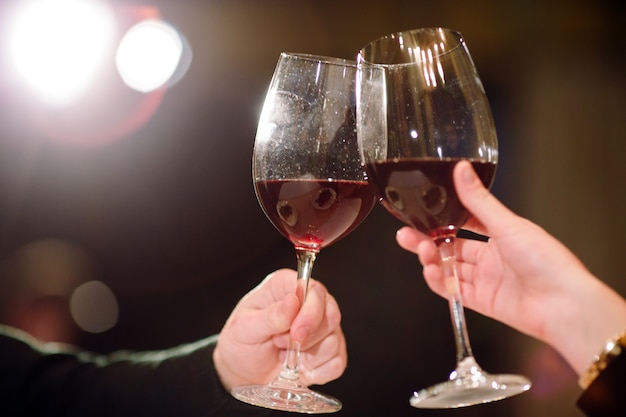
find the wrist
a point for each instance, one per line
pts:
(594, 314)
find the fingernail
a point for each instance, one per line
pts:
(301, 334)
(467, 174)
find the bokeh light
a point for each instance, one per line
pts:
(36, 282)
(150, 54)
(57, 46)
(94, 307)
(51, 267)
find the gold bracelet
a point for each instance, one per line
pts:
(612, 349)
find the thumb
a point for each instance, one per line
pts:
(484, 206)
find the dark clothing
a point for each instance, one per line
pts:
(606, 396)
(53, 380)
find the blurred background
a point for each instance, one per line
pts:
(128, 218)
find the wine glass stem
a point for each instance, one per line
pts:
(448, 264)
(290, 371)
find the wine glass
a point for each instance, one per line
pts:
(421, 108)
(311, 185)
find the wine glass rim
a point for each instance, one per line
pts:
(319, 58)
(403, 33)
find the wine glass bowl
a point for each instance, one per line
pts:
(420, 191)
(421, 108)
(310, 183)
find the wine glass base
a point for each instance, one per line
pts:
(301, 400)
(472, 390)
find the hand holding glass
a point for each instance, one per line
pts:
(421, 108)
(311, 185)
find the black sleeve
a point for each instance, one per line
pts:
(606, 396)
(51, 380)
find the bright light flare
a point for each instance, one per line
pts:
(149, 55)
(57, 45)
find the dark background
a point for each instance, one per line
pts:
(166, 216)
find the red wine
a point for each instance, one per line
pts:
(312, 214)
(420, 191)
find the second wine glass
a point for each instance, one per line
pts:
(311, 185)
(421, 109)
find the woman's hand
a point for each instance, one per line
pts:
(523, 277)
